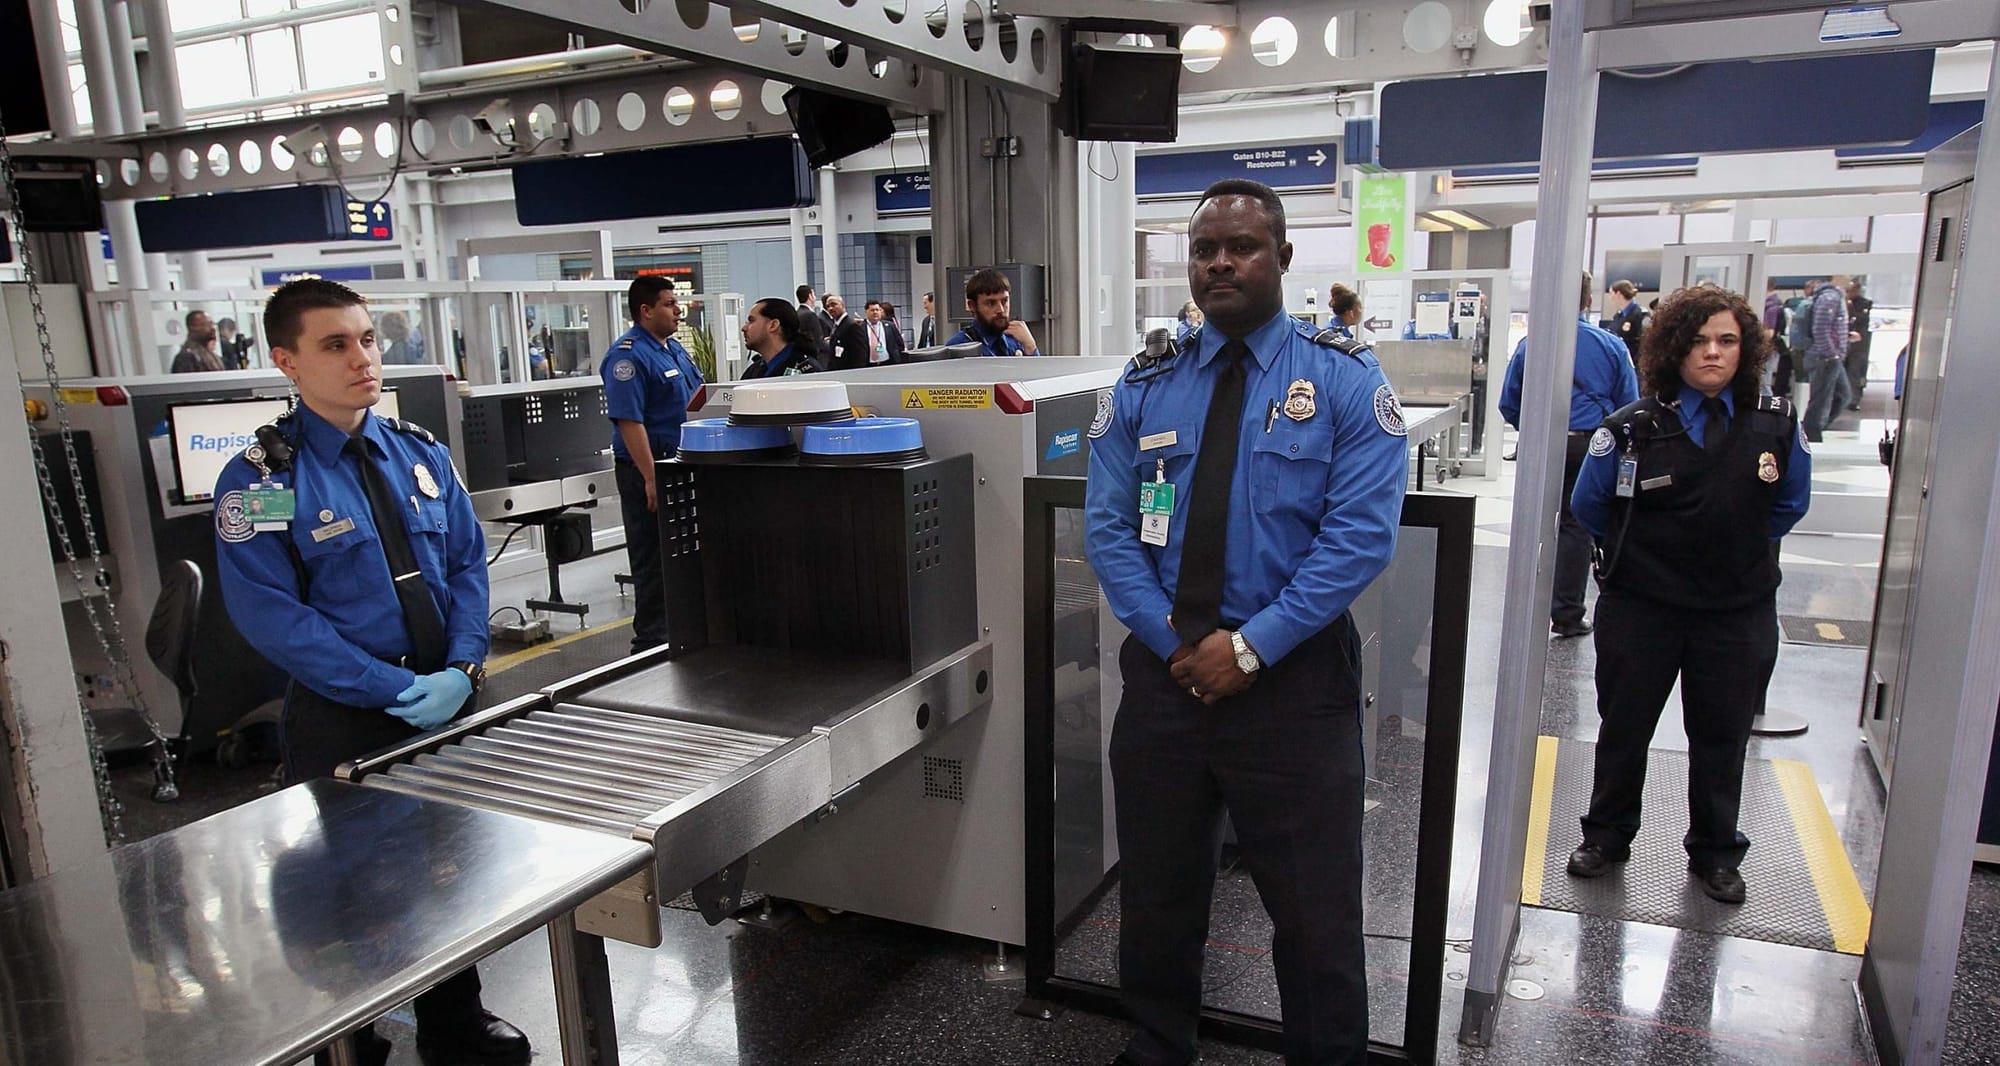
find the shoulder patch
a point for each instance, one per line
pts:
(1805, 442)
(231, 523)
(1601, 442)
(412, 429)
(1102, 423)
(1389, 411)
(1775, 404)
(623, 369)
(624, 345)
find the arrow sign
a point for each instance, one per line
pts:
(370, 220)
(903, 192)
(1170, 175)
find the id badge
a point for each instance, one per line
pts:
(1628, 476)
(1156, 511)
(269, 507)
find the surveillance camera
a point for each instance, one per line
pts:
(496, 119)
(308, 144)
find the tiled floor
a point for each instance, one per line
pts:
(855, 990)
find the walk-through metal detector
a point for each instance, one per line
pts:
(1952, 685)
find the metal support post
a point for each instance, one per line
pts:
(164, 68)
(1571, 111)
(801, 269)
(829, 233)
(583, 995)
(125, 64)
(107, 117)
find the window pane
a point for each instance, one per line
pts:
(216, 72)
(194, 14)
(276, 62)
(255, 8)
(66, 11)
(78, 95)
(344, 51)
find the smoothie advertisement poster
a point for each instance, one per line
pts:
(1379, 205)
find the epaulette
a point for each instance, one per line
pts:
(1329, 338)
(624, 345)
(1777, 405)
(412, 429)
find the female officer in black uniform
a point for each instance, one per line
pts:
(1686, 493)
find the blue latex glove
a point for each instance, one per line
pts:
(433, 698)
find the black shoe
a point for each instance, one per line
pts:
(1570, 629)
(1589, 860)
(1723, 884)
(488, 1041)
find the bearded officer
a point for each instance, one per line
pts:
(349, 555)
(1242, 494)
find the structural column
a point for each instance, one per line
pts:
(1560, 211)
(165, 66)
(829, 232)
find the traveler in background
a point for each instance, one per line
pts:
(1860, 334)
(1344, 304)
(815, 328)
(927, 333)
(994, 328)
(1190, 320)
(197, 354)
(771, 332)
(231, 347)
(847, 339)
(885, 339)
(1826, 354)
(1778, 374)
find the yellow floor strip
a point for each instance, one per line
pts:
(1847, 913)
(1538, 820)
(516, 658)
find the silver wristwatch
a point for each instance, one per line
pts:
(1246, 656)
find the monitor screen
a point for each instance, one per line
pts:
(208, 434)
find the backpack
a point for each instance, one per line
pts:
(1799, 336)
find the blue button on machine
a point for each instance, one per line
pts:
(715, 440)
(863, 442)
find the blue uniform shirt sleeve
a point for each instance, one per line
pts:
(260, 590)
(1357, 532)
(624, 389)
(467, 636)
(1794, 489)
(1625, 380)
(1596, 487)
(1124, 566)
(1510, 389)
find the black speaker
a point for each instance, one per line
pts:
(1118, 92)
(58, 196)
(568, 536)
(834, 127)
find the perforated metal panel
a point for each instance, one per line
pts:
(944, 779)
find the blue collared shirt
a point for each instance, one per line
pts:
(1314, 504)
(1602, 382)
(333, 636)
(651, 382)
(989, 343)
(1597, 479)
(787, 361)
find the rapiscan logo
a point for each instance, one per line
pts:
(220, 444)
(1066, 443)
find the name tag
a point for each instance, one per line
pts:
(674, 373)
(1657, 482)
(1159, 440)
(332, 529)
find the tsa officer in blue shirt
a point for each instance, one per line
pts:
(1601, 382)
(771, 332)
(1687, 493)
(648, 380)
(989, 299)
(1242, 493)
(349, 555)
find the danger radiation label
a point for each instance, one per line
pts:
(958, 399)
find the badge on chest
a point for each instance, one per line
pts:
(1300, 402)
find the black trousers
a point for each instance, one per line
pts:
(1723, 660)
(1283, 759)
(642, 549)
(315, 736)
(1572, 543)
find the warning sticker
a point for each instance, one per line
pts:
(953, 399)
(79, 395)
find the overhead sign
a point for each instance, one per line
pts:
(1281, 166)
(906, 191)
(370, 220)
(332, 273)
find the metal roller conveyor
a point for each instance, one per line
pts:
(703, 794)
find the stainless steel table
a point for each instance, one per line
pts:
(285, 924)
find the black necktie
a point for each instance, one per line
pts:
(1714, 426)
(420, 611)
(1198, 597)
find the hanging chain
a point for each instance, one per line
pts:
(103, 618)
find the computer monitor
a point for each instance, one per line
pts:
(208, 433)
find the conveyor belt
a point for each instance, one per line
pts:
(706, 757)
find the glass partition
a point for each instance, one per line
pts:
(1412, 622)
